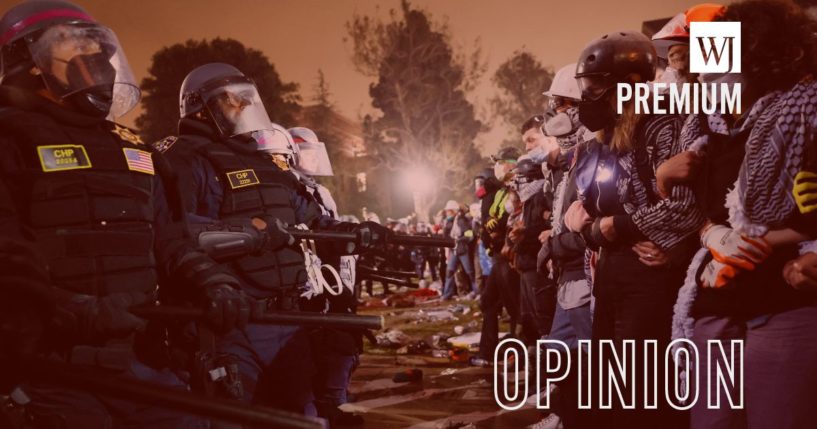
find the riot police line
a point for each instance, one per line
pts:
(94, 219)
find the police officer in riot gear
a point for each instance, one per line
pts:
(89, 216)
(336, 350)
(231, 186)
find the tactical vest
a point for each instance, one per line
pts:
(255, 187)
(88, 209)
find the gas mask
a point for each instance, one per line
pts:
(559, 125)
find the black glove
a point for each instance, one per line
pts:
(277, 235)
(100, 318)
(225, 308)
(372, 234)
(274, 232)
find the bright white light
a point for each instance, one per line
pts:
(603, 174)
(417, 179)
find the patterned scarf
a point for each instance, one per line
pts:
(527, 190)
(783, 122)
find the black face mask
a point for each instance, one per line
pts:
(597, 115)
(97, 97)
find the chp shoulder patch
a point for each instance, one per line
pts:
(63, 157)
(242, 178)
(126, 134)
(164, 144)
(139, 160)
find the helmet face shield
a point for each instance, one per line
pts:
(235, 106)
(313, 159)
(595, 86)
(85, 58)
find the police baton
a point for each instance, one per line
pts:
(97, 382)
(397, 239)
(385, 279)
(390, 273)
(300, 318)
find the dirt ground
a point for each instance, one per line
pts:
(449, 395)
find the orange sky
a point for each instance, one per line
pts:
(300, 36)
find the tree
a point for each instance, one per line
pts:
(323, 119)
(521, 80)
(426, 128)
(321, 94)
(170, 65)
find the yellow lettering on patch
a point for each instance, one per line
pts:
(63, 157)
(242, 178)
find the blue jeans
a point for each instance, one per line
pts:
(275, 364)
(571, 325)
(485, 262)
(79, 409)
(453, 261)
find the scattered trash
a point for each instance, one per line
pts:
(392, 338)
(423, 284)
(477, 313)
(457, 308)
(418, 347)
(449, 371)
(468, 341)
(436, 285)
(439, 353)
(466, 311)
(440, 315)
(408, 376)
(438, 340)
(472, 324)
(459, 329)
(458, 355)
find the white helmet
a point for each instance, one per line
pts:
(452, 205)
(565, 84)
(313, 159)
(303, 135)
(276, 140)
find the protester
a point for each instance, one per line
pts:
(642, 239)
(502, 285)
(564, 250)
(742, 284)
(538, 293)
(458, 226)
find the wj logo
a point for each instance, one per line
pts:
(714, 47)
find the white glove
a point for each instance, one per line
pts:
(737, 250)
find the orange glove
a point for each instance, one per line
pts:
(737, 250)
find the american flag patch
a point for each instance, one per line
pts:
(139, 160)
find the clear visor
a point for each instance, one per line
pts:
(236, 108)
(82, 57)
(594, 87)
(313, 159)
